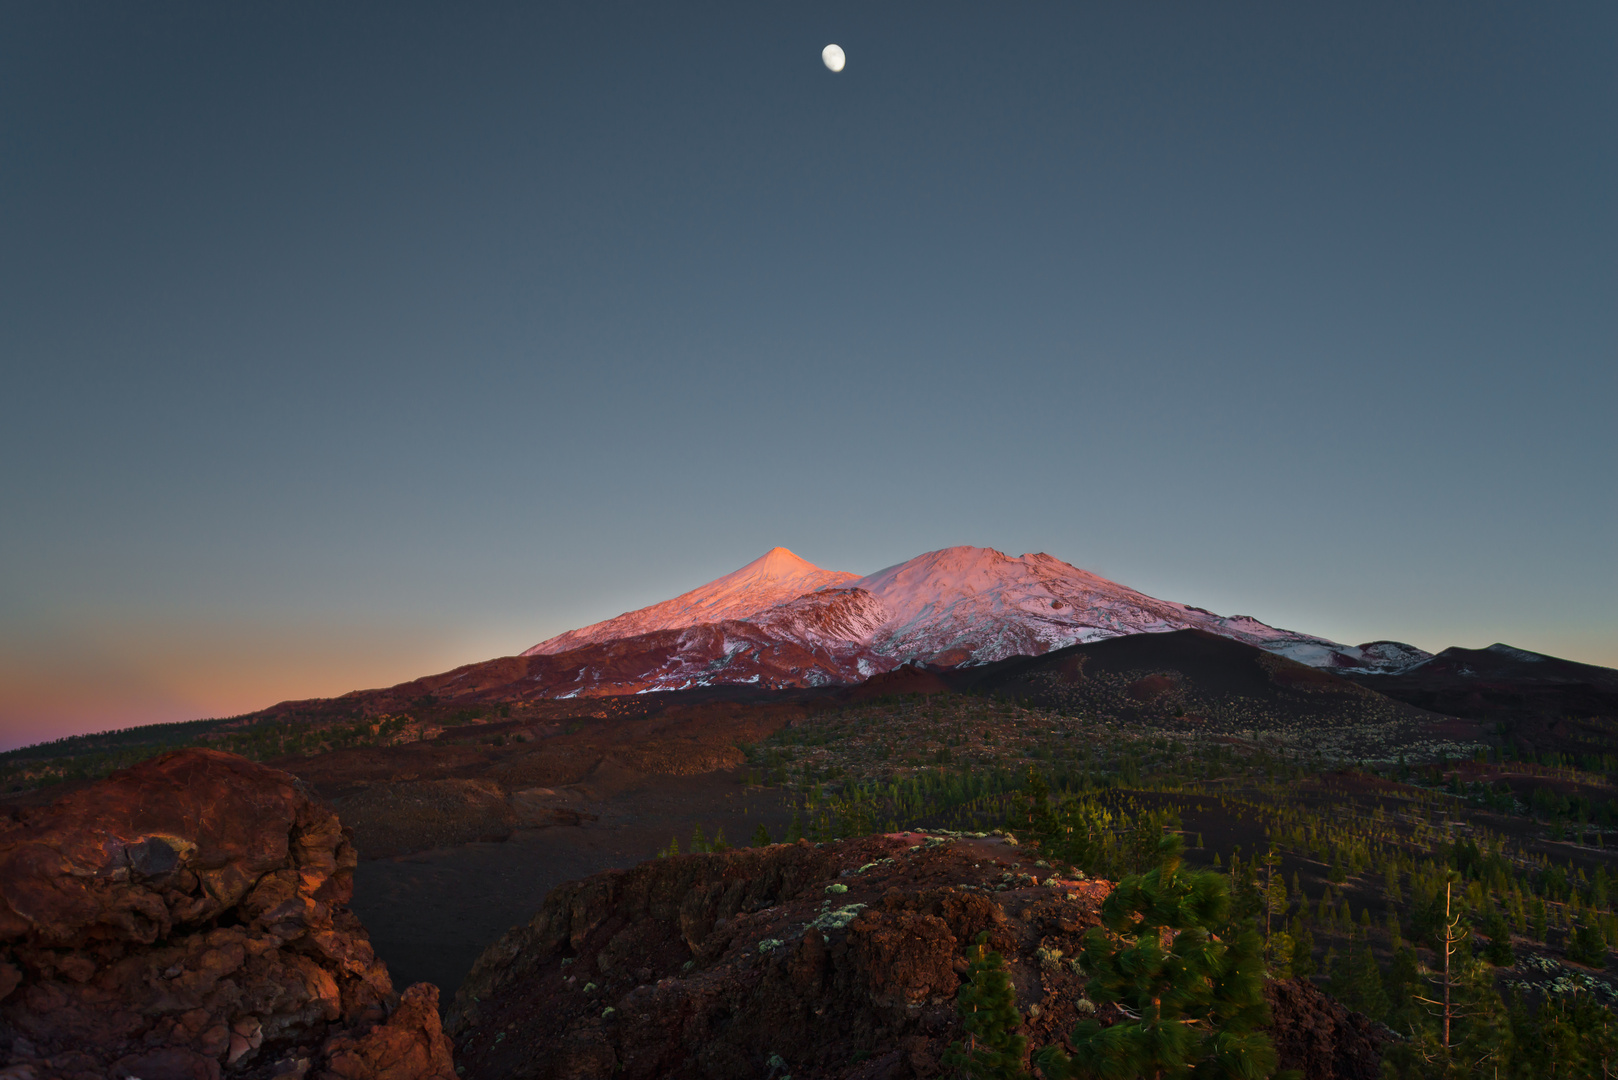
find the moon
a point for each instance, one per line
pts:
(832, 56)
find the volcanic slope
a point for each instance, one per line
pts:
(1199, 680)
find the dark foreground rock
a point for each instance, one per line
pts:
(833, 961)
(187, 919)
(1319, 1037)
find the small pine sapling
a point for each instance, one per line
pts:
(1193, 1003)
(987, 1006)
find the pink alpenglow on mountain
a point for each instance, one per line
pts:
(782, 621)
(776, 577)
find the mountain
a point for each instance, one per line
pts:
(774, 578)
(781, 621)
(973, 605)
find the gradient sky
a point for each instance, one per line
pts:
(346, 343)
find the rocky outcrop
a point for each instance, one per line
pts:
(838, 960)
(1319, 1037)
(829, 962)
(187, 919)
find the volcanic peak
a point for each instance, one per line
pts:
(775, 577)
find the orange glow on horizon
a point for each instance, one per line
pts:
(106, 680)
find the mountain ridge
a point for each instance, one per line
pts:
(946, 608)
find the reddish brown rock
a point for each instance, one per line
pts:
(841, 960)
(411, 1043)
(188, 918)
(1319, 1037)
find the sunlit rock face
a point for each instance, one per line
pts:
(187, 918)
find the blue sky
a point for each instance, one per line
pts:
(346, 344)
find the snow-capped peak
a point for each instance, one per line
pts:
(773, 578)
(974, 605)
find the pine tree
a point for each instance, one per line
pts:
(1037, 819)
(1519, 914)
(1246, 897)
(795, 829)
(1498, 931)
(1281, 951)
(699, 842)
(1435, 1045)
(761, 836)
(987, 1006)
(1275, 892)
(1587, 946)
(1573, 1036)
(1336, 972)
(1303, 952)
(1483, 1045)
(1197, 1005)
(1400, 984)
(1390, 888)
(1365, 990)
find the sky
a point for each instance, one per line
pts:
(343, 344)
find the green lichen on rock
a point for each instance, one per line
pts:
(837, 918)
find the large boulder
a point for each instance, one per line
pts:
(187, 918)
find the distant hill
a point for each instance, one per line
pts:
(1535, 700)
(1192, 676)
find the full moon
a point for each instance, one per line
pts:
(832, 57)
